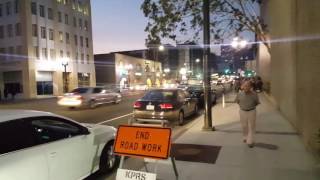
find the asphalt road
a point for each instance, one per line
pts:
(109, 114)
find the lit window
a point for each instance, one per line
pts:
(60, 36)
(51, 34)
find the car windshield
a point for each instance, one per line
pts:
(195, 88)
(80, 90)
(159, 95)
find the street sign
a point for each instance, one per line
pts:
(151, 142)
(125, 174)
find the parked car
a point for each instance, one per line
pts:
(165, 104)
(197, 91)
(89, 96)
(43, 146)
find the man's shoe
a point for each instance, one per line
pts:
(250, 145)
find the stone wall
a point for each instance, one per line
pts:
(295, 64)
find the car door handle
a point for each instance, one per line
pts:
(53, 154)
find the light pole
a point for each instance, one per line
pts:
(206, 73)
(65, 64)
(156, 58)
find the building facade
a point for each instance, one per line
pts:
(121, 69)
(294, 65)
(45, 46)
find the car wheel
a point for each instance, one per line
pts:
(116, 100)
(92, 104)
(181, 118)
(108, 160)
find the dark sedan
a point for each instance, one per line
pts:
(165, 104)
(197, 91)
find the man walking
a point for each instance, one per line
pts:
(248, 100)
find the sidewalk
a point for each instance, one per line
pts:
(278, 155)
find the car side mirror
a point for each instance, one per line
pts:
(85, 131)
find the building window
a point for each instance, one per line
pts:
(44, 53)
(18, 29)
(3, 53)
(1, 32)
(36, 52)
(11, 50)
(50, 13)
(59, 16)
(81, 41)
(34, 30)
(34, 8)
(16, 6)
(76, 40)
(9, 28)
(60, 36)
(19, 50)
(61, 54)
(88, 59)
(87, 42)
(77, 56)
(52, 54)
(67, 38)
(42, 11)
(82, 58)
(0, 10)
(8, 8)
(66, 19)
(43, 33)
(51, 34)
(80, 23)
(86, 25)
(68, 54)
(74, 21)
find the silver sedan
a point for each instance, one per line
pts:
(89, 97)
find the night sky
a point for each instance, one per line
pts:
(117, 25)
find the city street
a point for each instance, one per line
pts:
(109, 114)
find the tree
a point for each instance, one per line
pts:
(167, 18)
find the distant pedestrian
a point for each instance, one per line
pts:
(248, 100)
(13, 92)
(259, 84)
(5, 93)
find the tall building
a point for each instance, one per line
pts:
(45, 46)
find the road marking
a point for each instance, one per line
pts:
(109, 120)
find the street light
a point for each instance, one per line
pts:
(65, 63)
(197, 60)
(238, 43)
(166, 70)
(161, 48)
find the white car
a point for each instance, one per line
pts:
(43, 146)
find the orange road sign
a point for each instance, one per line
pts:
(151, 142)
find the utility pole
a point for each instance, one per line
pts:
(206, 73)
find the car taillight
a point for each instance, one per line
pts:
(79, 97)
(166, 106)
(137, 104)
